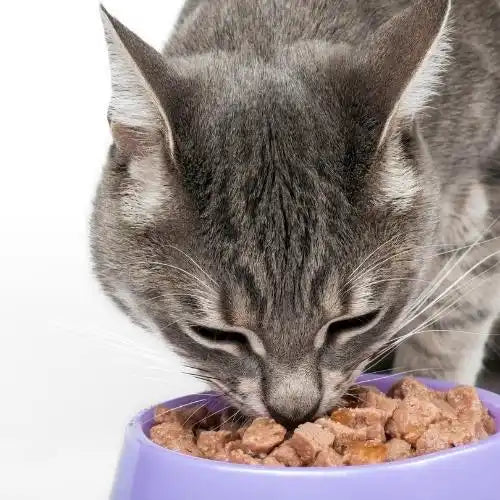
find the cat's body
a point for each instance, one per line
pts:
(291, 165)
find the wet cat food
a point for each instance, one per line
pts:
(370, 428)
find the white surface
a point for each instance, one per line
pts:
(73, 370)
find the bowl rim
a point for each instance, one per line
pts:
(490, 399)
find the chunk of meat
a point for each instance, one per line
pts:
(162, 415)
(174, 436)
(309, 439)
(410, 386)
(272, 462)
(165, 415)
(371, 397)
(262, 436)
(464, 399)
(212, 443)
(398, 449)
(365, 453)
(242, 431)
(285, 454)
(442, 435)
(371, 419)
(469, 407)
(466, 402)
(446, 411)
(237, 454)
(328, 458)
(343, 434)
(359, 417)
(488, 422)
(356, 395)
(411, 418)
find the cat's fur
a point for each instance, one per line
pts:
(287, 165)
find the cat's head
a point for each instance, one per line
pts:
(271, 218)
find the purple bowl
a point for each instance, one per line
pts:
(148, 472)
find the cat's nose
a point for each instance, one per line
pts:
(293, 420)
(292, 396)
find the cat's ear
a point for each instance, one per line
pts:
(148, 99)
(406, 57)
(143, 88)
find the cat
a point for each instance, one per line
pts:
(296, 188)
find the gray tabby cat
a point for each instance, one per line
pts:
(297, 186)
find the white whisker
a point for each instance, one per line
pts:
(181, 270)
(195, 263)
(391, 346)
(457, 263)
(451, 287)
(366, 259)
(393, 375)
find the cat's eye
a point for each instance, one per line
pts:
(352, 324)
(215, 335)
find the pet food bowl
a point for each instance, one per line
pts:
(149, 472)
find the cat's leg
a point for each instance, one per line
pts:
(451, 334)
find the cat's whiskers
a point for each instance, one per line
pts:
(151, 360)
(392, 345)
(426, 294)
(228, 420)
(442, 275)
(397, 280)
(182, 271)
(353, 273)
(440, 280)
(210, 415)
(450, 288)
(457, 249)
(432, 287)
(184, 405)
(388, 370)
(396, 374)
(206, 401)
(119, 342)
(194, 412)
(195, 263)
(376, 266)
(196, 293)
(440, 313)
(464, 332)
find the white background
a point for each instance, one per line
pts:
(73, 370)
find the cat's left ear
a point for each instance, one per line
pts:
(405, 59)
(148, 102)
(145, 90)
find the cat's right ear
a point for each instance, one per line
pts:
(143, 91)
(405, 59)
